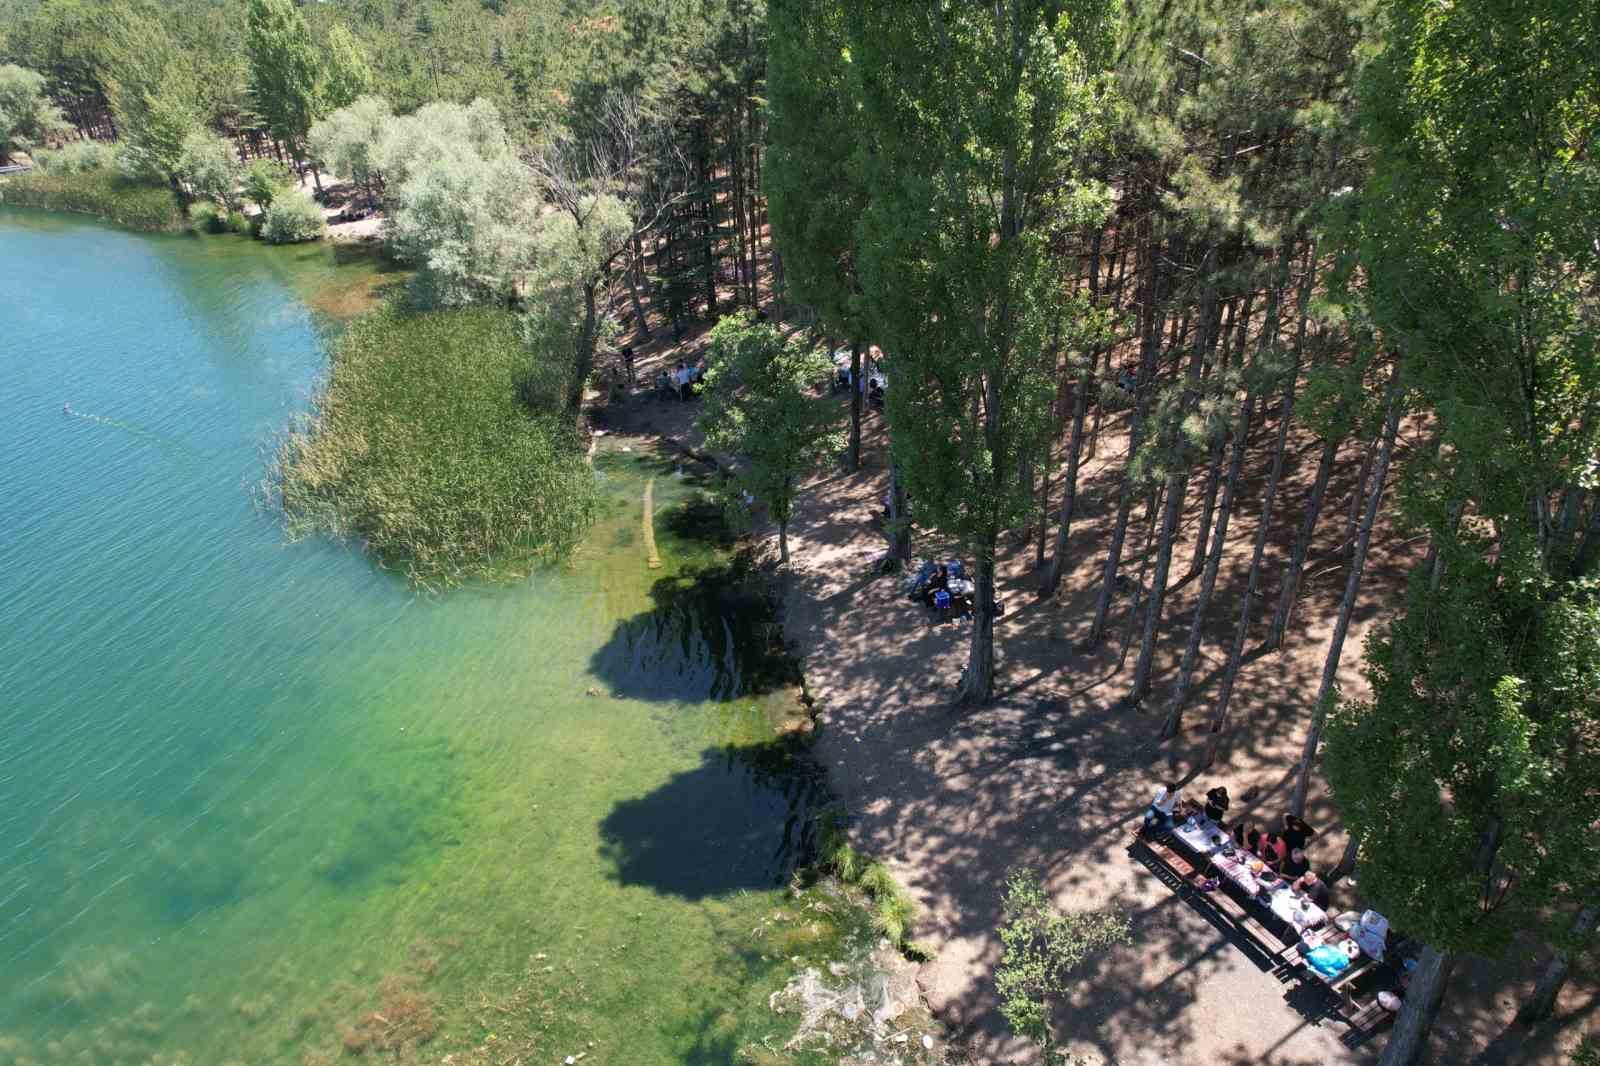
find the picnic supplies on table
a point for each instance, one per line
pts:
(1371, 933)
(1327, 960)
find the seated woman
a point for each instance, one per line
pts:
(1271, 850)
(1217, 804)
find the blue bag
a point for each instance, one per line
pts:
(1328, 961)
(941, 600)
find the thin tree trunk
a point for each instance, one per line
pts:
(855, 406)
(1295, 566)
(1409, 1038)
(783, 542)
(1359, 496)
(1347, 861)
(1213, 563)
(1330, 667)
(1542, 1003)
(1214, 469)
(1154, 328)
(1058, 558)
(1177, 480)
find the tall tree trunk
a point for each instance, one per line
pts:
(1058, 559)
(855, 406)
(1177, 479)
(783, 541)
(1214, 469)
(1295, 566)
(1409, 1038)
(977, 681)
(1208, 579)
(1542, 1003)
(1330, 666)
(1154, 326)
(899, 522)
(1359, 496)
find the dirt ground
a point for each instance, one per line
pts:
(1054, 773)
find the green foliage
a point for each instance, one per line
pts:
(1042, 946)
(264, 179)
(1462, 774)
(26, 114)
(424, 446)
(285, 69)
(207, 217)
(158, 92)
(104, 193)
(77, 157)
(210, 167)
(1587, 1053)
(893, 914)
(348, 75)
(292, 218)
(347, 142)
(238, 222)
(762, 405)
(462, 206)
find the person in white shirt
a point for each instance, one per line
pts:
(1161, 808)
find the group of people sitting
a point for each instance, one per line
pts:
(681, 381)
(946, 588)
(1283, 852)
(872, 379)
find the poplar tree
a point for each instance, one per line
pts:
(815, 185)
(285, 72)
(976, 122)
(1469, 776)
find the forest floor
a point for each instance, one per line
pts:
(1054, 773)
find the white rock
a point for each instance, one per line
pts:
(927, 1042)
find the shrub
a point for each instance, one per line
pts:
(239, 222)
(1041, 947)
(264, 179)
(207, 217)
(893, 914)
(421, 446)
(76, 158)
(293, 217)
(104, 193)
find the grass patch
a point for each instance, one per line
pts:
(429, 444)
(104, 193)
(893, 911)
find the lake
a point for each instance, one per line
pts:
(263, 802)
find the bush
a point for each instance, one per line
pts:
(79, 157)
(293, 217)
(207, 217)
(264, 179)
(421, 446)
(238, 222)
(104, 193)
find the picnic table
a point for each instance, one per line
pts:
(1296, 917)
(1205, 839)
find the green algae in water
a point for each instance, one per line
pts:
(264, 803)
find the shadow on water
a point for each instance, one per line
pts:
(741, 819)
(710, 634)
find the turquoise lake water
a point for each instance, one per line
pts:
(255, 794)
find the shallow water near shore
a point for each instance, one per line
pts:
(262, 802)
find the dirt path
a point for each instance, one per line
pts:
(1054, 774)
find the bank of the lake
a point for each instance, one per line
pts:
(266, 803)
(105, 194)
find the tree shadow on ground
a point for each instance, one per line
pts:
(741, 819)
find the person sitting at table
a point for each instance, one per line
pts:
(1296, 832)
(1159, 813)
(1312, 886)
(1271, 850)
(1296, 864)
(1217, 804)
(1245, 835)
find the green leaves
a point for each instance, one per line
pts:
(761, 403)
(1042, 946)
